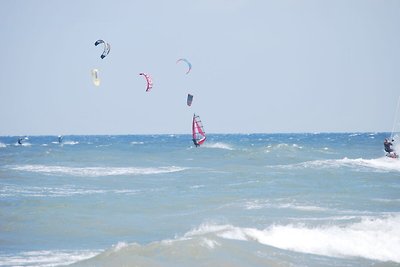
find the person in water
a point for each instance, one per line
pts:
(20, 141)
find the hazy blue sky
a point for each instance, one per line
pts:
(258, 66)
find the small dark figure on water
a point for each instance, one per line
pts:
(20, 140)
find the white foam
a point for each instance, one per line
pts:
(70, 143)
(302, 207)
(197, 186)
(261, 204)
(120, 245)
(328, 218)
(46, 258)
(374, 239)
(384, 163)
(208, 243)
(137, 143)
(283, 147)
(226, 231)
(36, 191)
(297, 146)
(371, 238)
(2, 145)
(379, 164)
(218, 145)
(386, 200)
(23, 144)
(95, 171)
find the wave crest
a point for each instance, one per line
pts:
(95, 171)
(379, 164)
(45, 257)
(219, 145)
(371, 238)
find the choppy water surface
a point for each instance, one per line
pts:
(239, 200)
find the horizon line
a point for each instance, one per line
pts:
(212, 133)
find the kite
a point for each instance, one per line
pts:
(107, 47)
(148, 80)
(189, 100)
(95, 77)
(187, 62)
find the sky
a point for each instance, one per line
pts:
(259, 66)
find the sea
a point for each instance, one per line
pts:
(302, 199)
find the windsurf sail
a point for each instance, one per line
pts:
(189, 100)
(198, 134)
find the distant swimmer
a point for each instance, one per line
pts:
(388, 148)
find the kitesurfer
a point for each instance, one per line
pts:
(387, 144)
(60, 139)
(20, 141)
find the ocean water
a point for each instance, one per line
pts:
(318, 199)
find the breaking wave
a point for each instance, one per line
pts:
(379, 164)
(45, 258)
(66, 191)
(95, 171)
(371, 238)
(283, 147)
(375, 239)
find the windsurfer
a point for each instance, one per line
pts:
(198, 134)
(195, 142)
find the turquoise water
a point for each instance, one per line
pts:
(239, 200)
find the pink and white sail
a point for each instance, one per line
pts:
(198, 134)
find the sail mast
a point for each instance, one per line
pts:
(395, 118)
